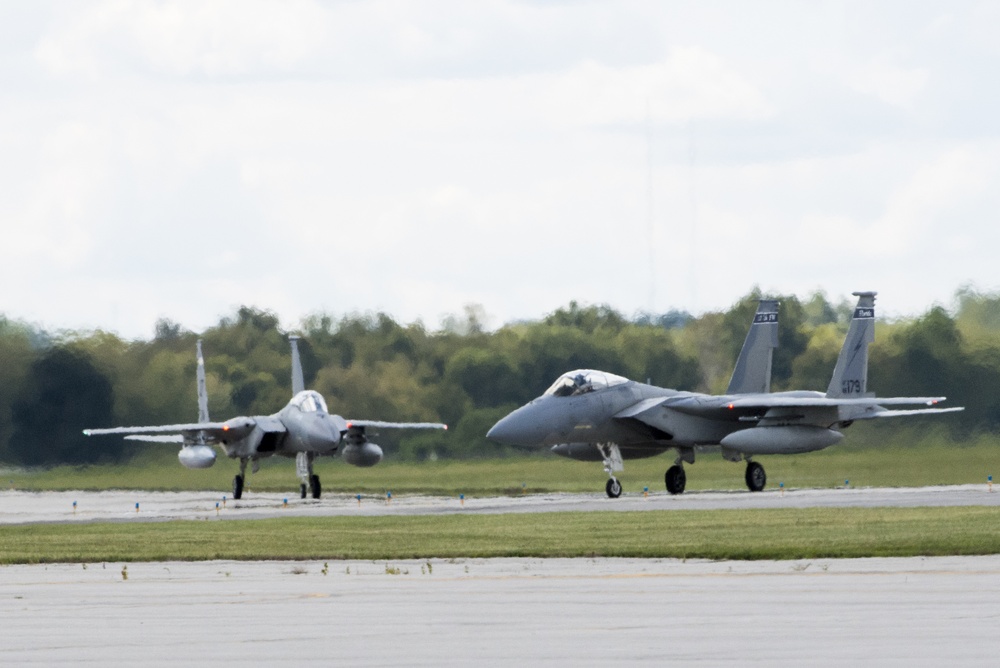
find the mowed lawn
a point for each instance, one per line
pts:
(718, 534)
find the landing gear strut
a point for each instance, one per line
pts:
(612, 457)
(309, 481)
(238, 480)
(756, 477)
(675, 478)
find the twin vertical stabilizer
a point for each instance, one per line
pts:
(298, 382)
(752, 374)
(850, 376)
(202, 389)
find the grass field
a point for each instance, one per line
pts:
(723, 534)
(864, 466)
(720, 534)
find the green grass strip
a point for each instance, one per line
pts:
(715, 534)
(158, 469)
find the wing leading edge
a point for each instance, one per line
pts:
(377, 424)
(195, 432)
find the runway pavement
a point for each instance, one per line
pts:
(933, 611)
(918, 611)
(19, 507)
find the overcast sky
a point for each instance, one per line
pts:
(179, 159)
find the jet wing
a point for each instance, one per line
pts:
(156, 438)
(764, 401)
(201, 432)
(754, 407)
(377, 424)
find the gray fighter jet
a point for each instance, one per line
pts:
(595, 416)
(303, 429)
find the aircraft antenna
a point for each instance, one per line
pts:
(649, 210)
(693, 167)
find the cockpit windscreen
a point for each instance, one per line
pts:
(582, 381)
(310, 401)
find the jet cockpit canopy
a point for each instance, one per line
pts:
(310, 401)
(582, 381)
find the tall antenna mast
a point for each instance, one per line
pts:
(649, 210)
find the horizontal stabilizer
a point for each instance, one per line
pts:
(917, 411)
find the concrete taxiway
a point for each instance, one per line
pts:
(18, 507)
(933, 611)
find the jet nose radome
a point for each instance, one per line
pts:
(502, 431)
(518, 428)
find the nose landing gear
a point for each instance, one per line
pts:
(308, 481)
(612, 458)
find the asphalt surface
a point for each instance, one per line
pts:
(826, 612)
(933, 611)
(18, 507)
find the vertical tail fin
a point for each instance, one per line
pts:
(753, 368)
(298, 384)
(202, 389)
(850, 376)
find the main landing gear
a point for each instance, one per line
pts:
(613, 488)
(675, 479)
(242, 476)
(239, 479)
(755, 476)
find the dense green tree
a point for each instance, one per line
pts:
(63, 393)
(369, 366)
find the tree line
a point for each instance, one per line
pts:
(368, 366)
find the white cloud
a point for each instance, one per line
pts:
(223, 38)
(182, 158)
(891, 83)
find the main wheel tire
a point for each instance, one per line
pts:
(315, 486)
(302, 490)
(613, 488)
(756, 477)
(675, 479)
(238, 487)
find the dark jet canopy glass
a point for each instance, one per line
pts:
(582, 381)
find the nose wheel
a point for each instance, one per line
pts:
(612, 458)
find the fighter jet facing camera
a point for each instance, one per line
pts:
(303, 429)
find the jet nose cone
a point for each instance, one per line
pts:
(499, 431)
(514, 429)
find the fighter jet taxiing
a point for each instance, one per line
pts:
(596, 416)
(303, 429)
